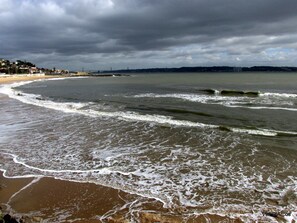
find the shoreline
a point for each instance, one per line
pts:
(56, 200)
(36, 199)
(17, 78)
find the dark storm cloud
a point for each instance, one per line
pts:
(204, 31)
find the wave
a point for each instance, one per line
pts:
(171, 110)
(263, 107)
(210, 91)
(259, 131)
(240, 93)
(227, 92)
(282, 95)
(270, 101)
(231, 92)
(85, 109)
(156, 191)
(41, 172)
(151, 180)
(104, 170)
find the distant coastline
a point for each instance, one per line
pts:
(213, 69)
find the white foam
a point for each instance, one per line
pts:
(19, 176)
(266, 99)
(164, 182)
(264, 107)
(188, 97)
(77, 108)
(292, 217)
(282, 95)
(162, 178)
(82, 109)
(17, 161)
(254, 132)
(101, 171)
(62, 174)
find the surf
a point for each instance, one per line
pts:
(85, 109)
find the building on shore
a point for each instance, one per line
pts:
(20, 67)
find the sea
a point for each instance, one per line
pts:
(216, 143)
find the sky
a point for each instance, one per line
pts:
(121, 34)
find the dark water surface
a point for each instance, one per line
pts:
(223, 143)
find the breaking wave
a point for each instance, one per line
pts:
(247, 93)
(178, 167)
(249, 100)
(89, 109)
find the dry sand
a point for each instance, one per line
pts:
(17, 78)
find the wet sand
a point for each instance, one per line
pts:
(57, 200)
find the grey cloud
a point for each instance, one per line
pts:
(104, 30)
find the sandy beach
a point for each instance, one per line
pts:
(18, 78)
(57, 200)
(148, 111)
(54, 200)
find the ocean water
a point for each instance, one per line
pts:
(218, 143)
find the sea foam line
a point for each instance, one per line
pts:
(82, 109)
(77, 108)
(240, 93)
(262, 107)
(100, 171)
(284, 95)
(227, 101)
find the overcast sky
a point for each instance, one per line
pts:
(99, 34)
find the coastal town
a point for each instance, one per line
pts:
(20, 67)
(22, 70)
